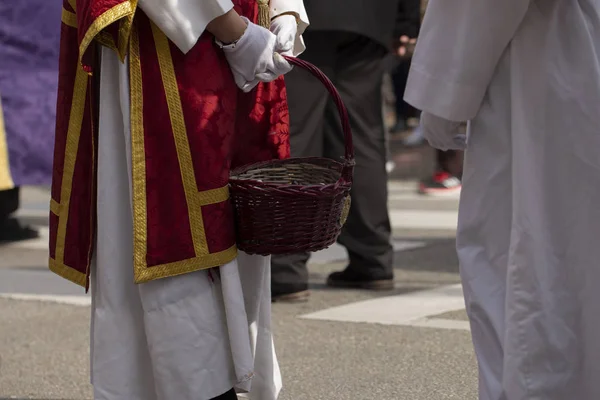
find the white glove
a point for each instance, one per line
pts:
(253, 59)
(285, 27)
(443, 134)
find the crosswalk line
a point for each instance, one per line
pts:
(82, 301)
(416, 309)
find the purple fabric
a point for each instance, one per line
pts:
(29, 48)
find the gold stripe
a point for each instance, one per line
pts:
(54, 207)
(73, 4)
(186, 266)
(106, 40)
(142, 272)
(214, 196)
(6, 181)
(70, 156)
(184, 153)
(69, 18)
(67, 272)
(125, 31)
(108, 17)
(138, 161)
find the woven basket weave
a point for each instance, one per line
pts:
(298, 204)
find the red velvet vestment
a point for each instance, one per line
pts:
(190, 125)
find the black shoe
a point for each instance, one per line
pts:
(12, 231)
(349, 280)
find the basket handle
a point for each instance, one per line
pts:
(349, 147)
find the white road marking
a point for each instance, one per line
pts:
(442, 323)
(412, 309)
(32, 213)
(424, 219)
(82, 301)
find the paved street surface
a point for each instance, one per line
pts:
(409, 344)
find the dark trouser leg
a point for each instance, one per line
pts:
(307, 100)
(10, 228)
(9, 202)
(399, 79)
(450, 161)
(227, 396)
(358, 78)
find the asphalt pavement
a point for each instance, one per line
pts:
(412, 343)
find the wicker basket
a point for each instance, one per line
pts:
(298, 204)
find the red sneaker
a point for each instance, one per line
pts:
(441, 184)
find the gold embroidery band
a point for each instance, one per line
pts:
(70, 157)
(69, 18)
(142, 272)
(6, 181)
(73, 4)
(125, 31)
(123, 10)
(106, 40)
(70, 274)
(138, 158)
(54, 207)
(184, 153)
(214, 196)
(186, 266)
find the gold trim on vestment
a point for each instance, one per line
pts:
(67, 272)
(195, 199)
(54, 207)
(184, 153)
(6, 181)
(125, 31)
(106, 40)
(73, 4)
(138, 157)
(68, 18)
(70, 157)
(114, 14)
(186, 266)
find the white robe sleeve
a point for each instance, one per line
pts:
(184, 21)
(460, 44)
(278, 7)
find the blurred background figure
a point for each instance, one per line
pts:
(348, 40)
(405, 34)
(29, 42)
(446, 180)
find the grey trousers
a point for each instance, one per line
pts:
(354, 63)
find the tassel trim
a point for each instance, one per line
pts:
(264, 14)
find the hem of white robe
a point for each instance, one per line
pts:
(296, 7)
(184, 21)
(441, 97)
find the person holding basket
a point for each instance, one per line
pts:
(157, 101)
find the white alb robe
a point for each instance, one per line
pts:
(185, 337)
(526, 73)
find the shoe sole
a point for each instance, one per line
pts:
(298, 297)
(453, 192)
(380, 285)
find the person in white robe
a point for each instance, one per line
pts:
(187, 337)
(526, 75)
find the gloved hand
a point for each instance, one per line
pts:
(443, 134)
(253, 59)
(285, 27)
